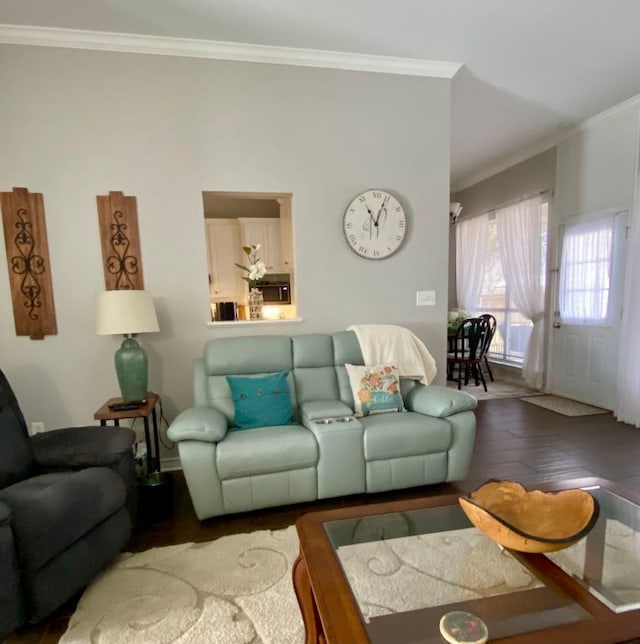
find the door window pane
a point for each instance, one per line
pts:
(585, 273)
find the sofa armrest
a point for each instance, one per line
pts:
(198, 424)
(80, 447)
(438, 401)
(317, 409)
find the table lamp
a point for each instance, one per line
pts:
(128, 312)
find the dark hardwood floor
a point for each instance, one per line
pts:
(515, 440)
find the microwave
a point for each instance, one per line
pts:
(275, 292)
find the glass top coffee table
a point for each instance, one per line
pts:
(388, 572)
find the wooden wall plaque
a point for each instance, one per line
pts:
(25, 236)
(120, 239)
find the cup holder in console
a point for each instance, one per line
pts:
(328, 421)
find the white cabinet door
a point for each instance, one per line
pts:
(286, 237)
(225, 248)
(265, 232)
(274, 246)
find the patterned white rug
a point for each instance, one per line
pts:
(238, 589)
(234, 590)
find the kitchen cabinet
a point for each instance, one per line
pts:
(225, 248)
(265, 232)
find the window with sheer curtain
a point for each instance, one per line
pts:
(514, 328)
(585, 272)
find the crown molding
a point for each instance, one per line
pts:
(194, 48)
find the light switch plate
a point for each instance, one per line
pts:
(425, 298)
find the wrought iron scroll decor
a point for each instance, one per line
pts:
(25, 236)
(120, 238)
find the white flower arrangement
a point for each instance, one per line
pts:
(256, 269)
(456, 316)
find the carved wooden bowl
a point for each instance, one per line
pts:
(530, 521)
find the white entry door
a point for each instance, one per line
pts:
(584, 356)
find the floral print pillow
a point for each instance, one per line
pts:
(375, 388)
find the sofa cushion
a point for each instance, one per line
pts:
(408, 434)
(52, 511)
(260, 401)
(312, 350)
(375, 388)
(346, 348)
(248, 355)
(264, 450)
(314, 374)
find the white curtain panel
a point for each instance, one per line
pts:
(627, 409)
(520, 235)
(471, 250)
(585, 272)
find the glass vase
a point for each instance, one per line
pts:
(255, 304)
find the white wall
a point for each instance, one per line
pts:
(597, 165)
(76, 124)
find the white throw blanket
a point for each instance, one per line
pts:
(391, 344)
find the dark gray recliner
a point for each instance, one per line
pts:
(67, 502)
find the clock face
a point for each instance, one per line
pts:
(374, 224)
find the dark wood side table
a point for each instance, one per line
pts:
(105, 414)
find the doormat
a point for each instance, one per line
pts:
(564, 406)
(497, 389)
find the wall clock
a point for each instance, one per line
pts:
(374, 224)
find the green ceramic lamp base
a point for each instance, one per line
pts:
(132, 370)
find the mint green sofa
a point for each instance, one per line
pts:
(234, 471)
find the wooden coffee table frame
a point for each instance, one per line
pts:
(330, 611)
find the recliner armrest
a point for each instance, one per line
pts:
(438, 401)
(199, 424)
(80, 447)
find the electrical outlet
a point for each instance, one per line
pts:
(425, 298)
(37, 427)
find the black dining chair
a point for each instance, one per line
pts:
(467, 351)
(489, 337)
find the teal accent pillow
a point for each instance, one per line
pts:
(261, 401)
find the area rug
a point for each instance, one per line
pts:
(238, 589)
(564, 406)
(437, 569)
(234, 590)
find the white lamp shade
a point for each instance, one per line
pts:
(124, 312)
